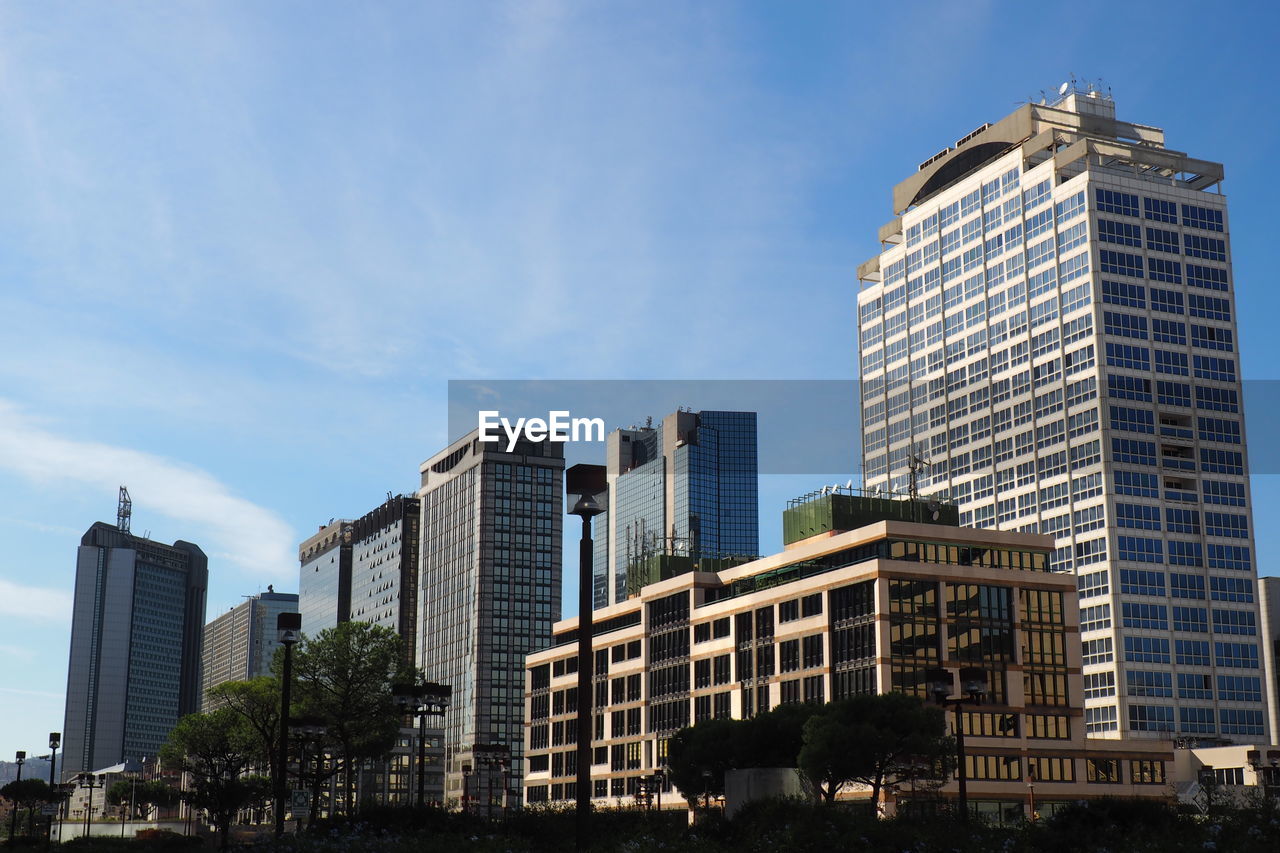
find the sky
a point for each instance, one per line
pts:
(244, 247)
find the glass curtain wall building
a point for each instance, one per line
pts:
(136, 627)
(686, 488)
(489, 591)
(1048, 338)
(324, 577)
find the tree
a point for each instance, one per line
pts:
(881, 741)
(257, 701)
(216, 748)
(771, 739)
(344, 676)
(27, 794)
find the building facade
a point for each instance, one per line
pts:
(686, 488)
(324, 577)
(240, 644)
(489, 590)
(1048, 338)
(137, 616)
(837, 614)
(1269, 604)
(384, 569)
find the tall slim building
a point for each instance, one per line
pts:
(384, 569)
(1269, 589)
(684, 488)
(489, 591)
(1048, 337)
(324, 577)
(239, 644)
(135, 646)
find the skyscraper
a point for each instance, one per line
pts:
(135, 646)
(239, 644)
(384, 569)
(686, 488)
(1048, 337)
(490, 589)
(324, 577)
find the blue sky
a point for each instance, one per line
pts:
(243, 246)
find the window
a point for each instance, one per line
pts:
(1209, 307)
(1196, 720)
(1103, 771)
(1160, 210)
(1160, 240)
(1169, 301)
(1231, 589)
(1211, 278)
(1101, 719)
(1097, 651)
(1095, 618)
(1229, 557)
(1132, 420)
(1146, 649)
(1124, 325)
(1241, 722)
(1168, 331)
(1202, 217)
(1239, 688)
(1194, 685)
(1234, 622)
(1123, 233)
(1139, 549)
(1146, 683)
(1209, 248)
(1098, 685)
(1191, 619)
(1144, 772)
(1192, 652)
(1118, 263)
(1239, 655)
(1120, 293)
(1133, 451)
(1113, 201)
(1150, 718)
(1124, 355)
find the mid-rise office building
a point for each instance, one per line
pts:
(686, 488)
(1048, 338)
(324, 577)
(855, 604)
(489, 591)
(240, 644)
(136, 627)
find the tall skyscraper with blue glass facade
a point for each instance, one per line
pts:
(137, 618)
(1048, 337)
(686, 487)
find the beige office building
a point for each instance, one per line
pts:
(862, 600)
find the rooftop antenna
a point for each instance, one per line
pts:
(124, 511)
(915, 463)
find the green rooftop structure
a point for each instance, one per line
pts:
(841, 508)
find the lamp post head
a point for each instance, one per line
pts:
(973, 682)
(289, 628)
(938, 682)
(55, 740)
(22, 756)
(586, 507)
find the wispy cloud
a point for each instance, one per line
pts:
(251, 536)
(33, 604)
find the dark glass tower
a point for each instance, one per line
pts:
(135, 646)
(685, 488)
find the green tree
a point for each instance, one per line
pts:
(28, 794)
(699, 756)
(344, 676)
(257, 701)
(216, 749)
(881, 741)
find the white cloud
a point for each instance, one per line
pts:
(33, 603)
(251, 536)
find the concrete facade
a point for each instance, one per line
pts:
(240, 644)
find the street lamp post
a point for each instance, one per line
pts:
(21, 758)
(422, 700)
(55, 741)
(973, 687)
(1031, 792)
(288, 629)
(585, 482)
(89, 781)
(308, 730)
(486, 756)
